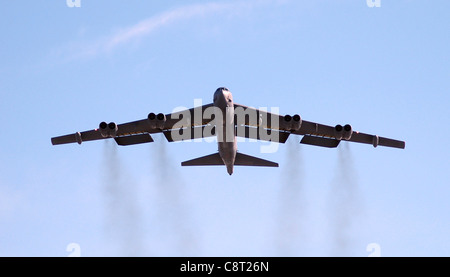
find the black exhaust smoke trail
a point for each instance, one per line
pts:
(173, 211)
(122, 211)
(344, 206)
(291, 210)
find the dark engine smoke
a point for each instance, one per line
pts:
(292, 209)
(122, 210)
(173, 211)
(343, 203)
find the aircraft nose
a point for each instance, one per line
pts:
(223, 89)
(220, 96)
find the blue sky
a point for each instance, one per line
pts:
(385, 70)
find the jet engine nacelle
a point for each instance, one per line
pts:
(347, 132)
(343, 132)
(296, 122)
(108, 130)
(156, 121)
(291, 123)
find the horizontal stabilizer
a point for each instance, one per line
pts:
(320, 141)
(134, 139)
(213, 159)
(246, 160)
(241, 159)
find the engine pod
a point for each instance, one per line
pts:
(112, 129)
(151, 118)
(347, 132)
(160, 121)
(296, 122)
(103, 127)
(338, 131)
(285, 122)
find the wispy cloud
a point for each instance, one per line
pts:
(124, 36)
(151, 24)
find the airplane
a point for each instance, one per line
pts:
(226, 120)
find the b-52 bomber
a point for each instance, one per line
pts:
(226, 120)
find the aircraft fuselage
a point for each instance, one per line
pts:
(226, 139)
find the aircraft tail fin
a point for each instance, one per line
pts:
(246, 160)
(213, 159)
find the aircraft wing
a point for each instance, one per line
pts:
(311, 129)
(313, 133)
(139, 131)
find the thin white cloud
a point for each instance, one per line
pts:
(151, 24)
(107, 44)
